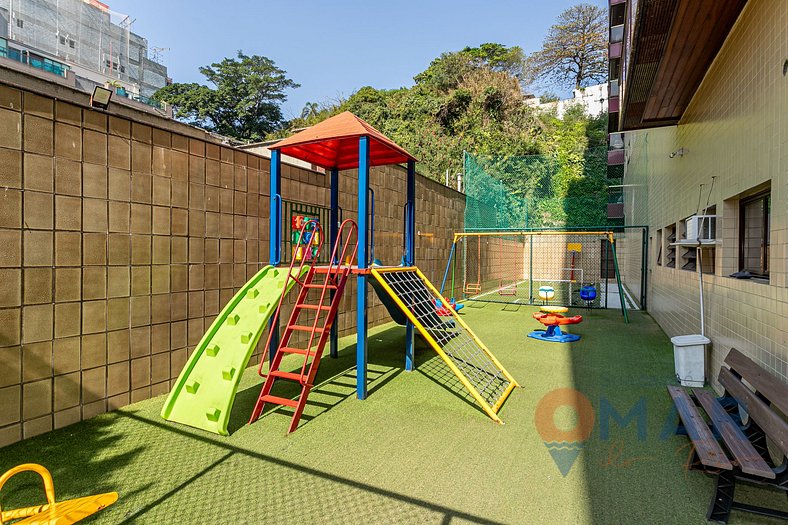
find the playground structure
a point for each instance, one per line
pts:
(310, 314)
(340, 143)
(534, 267)
(205, 391)
(53, 512)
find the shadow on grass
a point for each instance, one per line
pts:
(436, 371)
(76, 456)
(448, 514)
(475, 305)
(336, 378)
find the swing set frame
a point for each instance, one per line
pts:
(474, 287)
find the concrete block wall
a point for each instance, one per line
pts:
(735, 129)
(123, 234)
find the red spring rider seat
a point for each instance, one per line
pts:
(553, 321)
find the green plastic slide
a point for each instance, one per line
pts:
(204, 393)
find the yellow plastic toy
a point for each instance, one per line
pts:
(554, 309)
(52, 512)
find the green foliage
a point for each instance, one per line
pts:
(448, 71)
(471, 100)
(244, 101)
(565, 187)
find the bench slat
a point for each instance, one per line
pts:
(762, 381)
(707, 448)
(773, 426)
(749, 460)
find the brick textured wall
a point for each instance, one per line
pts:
(735, 129)
(123, 234)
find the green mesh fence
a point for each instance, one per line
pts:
(537, 191)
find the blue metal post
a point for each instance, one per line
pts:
(363, 252)
(275, 233)
(410, 253)
(333, 234)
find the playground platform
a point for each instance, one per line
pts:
(413, 452)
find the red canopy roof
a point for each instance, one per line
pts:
(334, 144)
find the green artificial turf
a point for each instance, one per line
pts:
(416, 451)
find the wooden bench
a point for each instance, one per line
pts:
(729, 449)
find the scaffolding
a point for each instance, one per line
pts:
(88, 36)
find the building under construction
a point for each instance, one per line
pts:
(83, 37)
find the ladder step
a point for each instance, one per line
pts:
(324, 307)
(327, 286)
(300, 351)
(279, 401)
(286, 375)
(302, 328)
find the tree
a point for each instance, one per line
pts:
(447, 71)
(498, 58)
(574, 52)
(310, 110)
(243, 103)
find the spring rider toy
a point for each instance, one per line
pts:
(553, 322)
(62, 512)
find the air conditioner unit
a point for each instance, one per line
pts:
(701, 227)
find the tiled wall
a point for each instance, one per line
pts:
(735, 129)
(123, 234)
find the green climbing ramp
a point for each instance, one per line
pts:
(204, 393)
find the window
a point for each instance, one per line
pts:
(71, 44)
(754, 234)
(62, 40)
(659, 247)
(20, 23)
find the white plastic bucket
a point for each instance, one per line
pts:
(689, 356)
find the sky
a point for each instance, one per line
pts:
(334, 47)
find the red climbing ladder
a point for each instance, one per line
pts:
(330, 288)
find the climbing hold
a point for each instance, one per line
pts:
(212, 350)
(192, 387)
(232, 320)
(228, 373)
(245, 338)
(213, 415)
(252, 293)
(263, 308)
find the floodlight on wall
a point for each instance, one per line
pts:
(100, 97)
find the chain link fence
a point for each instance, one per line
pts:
(516, 197)
(536, 191)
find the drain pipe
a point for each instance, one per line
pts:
(700, 285)
(700, 255)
